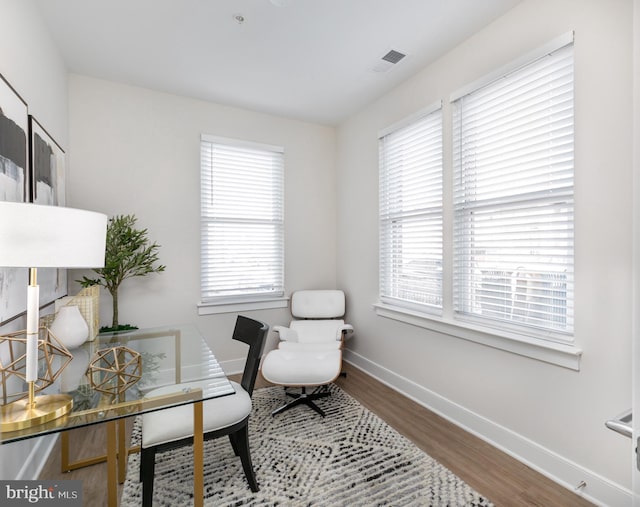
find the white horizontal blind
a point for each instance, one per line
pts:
(411, 214)
(242, 221)
(513, 199)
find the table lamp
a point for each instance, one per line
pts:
(35, 236)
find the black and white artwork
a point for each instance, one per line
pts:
(14, 128)
(47, 179)
(47, 167)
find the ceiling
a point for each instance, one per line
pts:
(311, 60)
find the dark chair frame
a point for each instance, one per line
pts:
(253, 333)
(304, 398)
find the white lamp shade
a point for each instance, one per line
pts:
(36, 236)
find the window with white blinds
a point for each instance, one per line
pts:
(513, 199)
(242, 220)
(411, 214)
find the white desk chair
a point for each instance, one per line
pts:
(310, 350)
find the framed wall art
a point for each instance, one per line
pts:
(47, 167)
(14, 184)
(47, 187)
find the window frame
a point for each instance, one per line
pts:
(392, 211)
(245, 300)
(522, 277)
(539, 346)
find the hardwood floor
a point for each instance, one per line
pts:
(497, 476)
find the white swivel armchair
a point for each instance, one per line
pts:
(310, 349)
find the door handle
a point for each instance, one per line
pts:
(622, 424)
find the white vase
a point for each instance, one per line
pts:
(69, 327)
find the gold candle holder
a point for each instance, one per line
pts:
(22, 408)
(114, 370)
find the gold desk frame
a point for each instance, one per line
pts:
(117, 450)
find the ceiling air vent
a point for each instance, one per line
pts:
(393, 56)
(388, 61)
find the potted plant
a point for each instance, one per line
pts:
(128, 253)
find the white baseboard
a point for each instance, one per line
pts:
(566, 473)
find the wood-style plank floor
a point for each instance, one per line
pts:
(497, 476)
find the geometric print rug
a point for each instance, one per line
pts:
(350, 458)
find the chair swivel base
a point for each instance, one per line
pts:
(304, 398)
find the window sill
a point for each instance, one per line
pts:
(242, 305)
(565, 355)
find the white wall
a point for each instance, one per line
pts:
(30, 63)
(138, 151)
(513, 400)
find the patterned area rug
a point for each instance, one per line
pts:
(350, 458)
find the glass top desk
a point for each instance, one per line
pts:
(169, 356)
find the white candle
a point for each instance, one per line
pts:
(33, 304)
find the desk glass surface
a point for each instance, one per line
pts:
(170, 356)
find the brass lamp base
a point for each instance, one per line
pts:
(20, 415)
